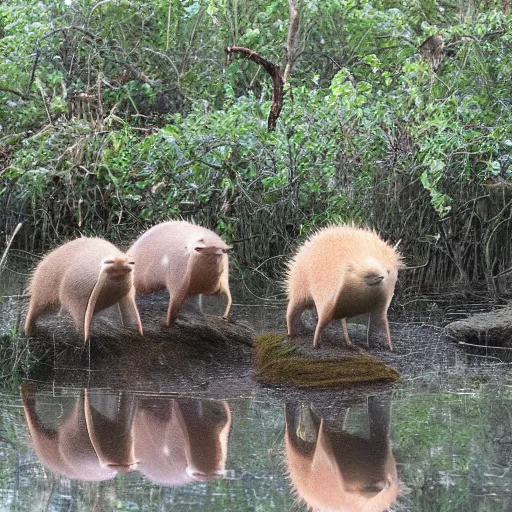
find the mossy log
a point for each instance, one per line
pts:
(282, 361)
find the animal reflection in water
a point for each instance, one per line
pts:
(171, 441)
(331, 469)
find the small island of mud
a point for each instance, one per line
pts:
(196, 352)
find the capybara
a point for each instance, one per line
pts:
(85, 276)
(179, 441)
(65, 449)
(331, 469)
(342, 271)
(186, 259)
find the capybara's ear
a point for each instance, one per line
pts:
(199, 245)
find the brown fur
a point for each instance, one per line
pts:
(186, 259)
(179, 441)
(334, 470)
(342, 271)
(85, 276)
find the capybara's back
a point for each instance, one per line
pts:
(343, 271)
(81, 256)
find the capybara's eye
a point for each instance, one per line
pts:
(225, 251)
(109, 262)
(199, 249)
(131, 263)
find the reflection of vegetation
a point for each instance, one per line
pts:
(455, 448)
(278, 361)
(452, 450)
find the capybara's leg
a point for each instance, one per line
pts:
(77, 312)
(324, 317)
(293, 314)
(34, 310)
(378, 326)
(129, 311)
(175, 302)
(224, 288)
(379, 418)
(228, 306)
(345, 331)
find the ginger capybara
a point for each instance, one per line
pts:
(186, 259)
(342, 271)
(332, 469)
(85, 276)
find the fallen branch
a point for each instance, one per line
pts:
(12, 91)
(275, 74)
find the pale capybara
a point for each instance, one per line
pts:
(66, 448)
(342, 271)
(179, 441)
(84, 276)
(186, 259)
(331, 469)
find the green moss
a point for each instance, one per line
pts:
(281, 363)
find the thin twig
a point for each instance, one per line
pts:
(9, 243)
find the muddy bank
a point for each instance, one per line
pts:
(208, 357)
(115, 353)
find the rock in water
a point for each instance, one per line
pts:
(487, 329)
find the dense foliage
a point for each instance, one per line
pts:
(118, 114)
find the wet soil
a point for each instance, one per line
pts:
(209, 357)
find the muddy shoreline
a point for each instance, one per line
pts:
(189, 361)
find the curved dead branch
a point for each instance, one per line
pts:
(275, 74)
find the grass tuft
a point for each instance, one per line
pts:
(280, 362)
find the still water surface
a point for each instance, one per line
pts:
(441, 440)
(423, 449)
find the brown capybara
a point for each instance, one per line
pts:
(186, 259)
(85, 276)
(331, 469)
(342, 271)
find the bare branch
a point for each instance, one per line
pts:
(292, 42)
(33, 71)
(275, 74)
(12, 91)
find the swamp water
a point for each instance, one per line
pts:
(440, 440)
